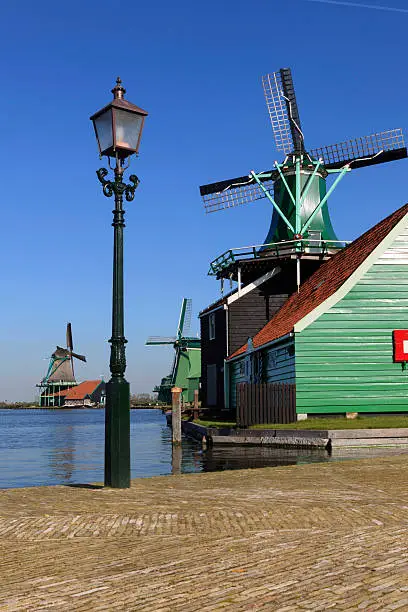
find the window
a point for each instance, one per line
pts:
(211, 326)
(257, 367)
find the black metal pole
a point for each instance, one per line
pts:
(117, 408)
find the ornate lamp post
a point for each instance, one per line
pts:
(118, 128)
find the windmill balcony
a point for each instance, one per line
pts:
(226, 264)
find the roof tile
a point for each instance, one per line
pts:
(80, 391)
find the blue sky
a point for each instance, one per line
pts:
(196, 68)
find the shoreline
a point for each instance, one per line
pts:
(62, 408)
(298, 438)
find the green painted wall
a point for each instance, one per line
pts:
(344, 360)
(188, 372)
(278, 365)
(193, 380)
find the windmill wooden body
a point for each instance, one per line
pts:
(60, 374)
(300, 237)
(186, 369)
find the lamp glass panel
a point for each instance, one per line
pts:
(103, 126)
(128, 127)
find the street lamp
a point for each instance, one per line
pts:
(118, 128)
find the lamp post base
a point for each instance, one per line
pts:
(117, 434)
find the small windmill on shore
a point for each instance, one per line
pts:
(186, 368)
(60, 374)
(296, 187)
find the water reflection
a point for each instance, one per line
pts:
(62, 453)
(46, 447)
(176, 459)
(239, 457)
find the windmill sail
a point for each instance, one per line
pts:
(365, 151)
(159, 340)
(278, 111)
(184, 324)
(80, 357)
(233, 192)
(360, 152)
(288, 92)
(70, 344)
(284, 115)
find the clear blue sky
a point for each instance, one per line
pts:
(196, 68)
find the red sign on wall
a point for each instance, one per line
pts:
(400, 337)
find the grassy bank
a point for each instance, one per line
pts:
(377, 422)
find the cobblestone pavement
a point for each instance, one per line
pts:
(313, 537)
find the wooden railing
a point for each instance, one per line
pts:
(259, 403)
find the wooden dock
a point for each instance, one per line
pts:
(300, 438)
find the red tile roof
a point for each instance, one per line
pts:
(325, 281)
(80, 391)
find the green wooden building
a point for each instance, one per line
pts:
(334, 338)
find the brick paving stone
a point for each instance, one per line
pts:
(312, 537)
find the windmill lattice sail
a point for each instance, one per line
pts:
(366, 151)
(160, 340)
(233, 192)
(278, 111)
(186, 322)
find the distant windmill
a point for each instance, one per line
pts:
(186, 368)
(60, 374)
(296, 187)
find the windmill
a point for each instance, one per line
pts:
(186, 368)
(60, 374)
(296, 187)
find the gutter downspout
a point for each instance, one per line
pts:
(226, 365)
(226, 385)
(239, 282)
(227, 328)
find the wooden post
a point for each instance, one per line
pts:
(195, 408)
(176, 414)
(176, 456)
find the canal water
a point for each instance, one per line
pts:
(48, 447)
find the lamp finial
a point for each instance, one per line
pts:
(118, 91)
